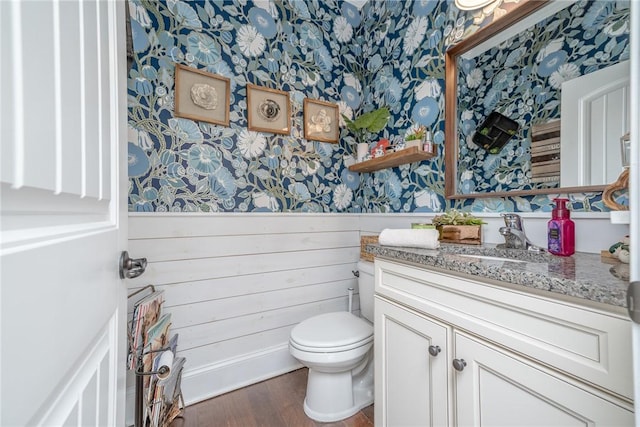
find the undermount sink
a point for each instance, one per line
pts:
(492, 258)
(497, 254)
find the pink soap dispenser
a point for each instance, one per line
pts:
(561, 230)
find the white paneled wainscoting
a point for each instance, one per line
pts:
(236, 284)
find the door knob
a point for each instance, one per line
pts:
(459, 364)
(131, 267)
(434, 350)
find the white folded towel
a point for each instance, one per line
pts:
(414, 238)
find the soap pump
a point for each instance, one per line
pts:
(561, 230)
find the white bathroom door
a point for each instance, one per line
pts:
(62, 212)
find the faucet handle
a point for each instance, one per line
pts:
(512, 220)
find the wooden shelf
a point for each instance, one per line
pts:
(408, 155)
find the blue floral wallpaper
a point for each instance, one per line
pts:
(389, 53)
(522, 77)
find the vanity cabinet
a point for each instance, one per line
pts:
(504, 356)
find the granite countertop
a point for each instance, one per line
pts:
(582, 275)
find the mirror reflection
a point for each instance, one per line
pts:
(511, 126)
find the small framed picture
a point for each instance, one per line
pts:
(268, 110)
(321, 121)
(201, 96)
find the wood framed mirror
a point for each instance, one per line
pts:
(495, 33)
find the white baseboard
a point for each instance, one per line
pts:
(213, 380)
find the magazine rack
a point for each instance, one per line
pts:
(144, 406)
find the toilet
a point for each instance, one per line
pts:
(338, 350)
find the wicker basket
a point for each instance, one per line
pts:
(364, 241)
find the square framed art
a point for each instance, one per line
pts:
(201, 96)
(268, 110)
(321, 121)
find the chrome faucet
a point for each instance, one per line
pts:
(514, 236)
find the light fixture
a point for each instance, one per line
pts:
(472, 4)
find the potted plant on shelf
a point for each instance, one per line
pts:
(365, 124)
(414, 136)
(458, 227)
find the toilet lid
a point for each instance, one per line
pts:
(331, 330)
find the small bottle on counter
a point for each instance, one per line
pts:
(561, 230)
(427, 142)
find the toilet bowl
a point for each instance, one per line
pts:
(338, 350)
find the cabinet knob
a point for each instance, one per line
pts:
(434, 350)
(459, 364)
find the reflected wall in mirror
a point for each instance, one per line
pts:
(520, 74)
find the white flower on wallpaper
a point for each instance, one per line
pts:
(265, 202)
(429, 87)
(564, 73)
(250, 41)
(342, 196)
(474, 78)
(427, 201)
(251, 144)
(415, 34)
(342, 29)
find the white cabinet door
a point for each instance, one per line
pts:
(496, 388)
(411, 384)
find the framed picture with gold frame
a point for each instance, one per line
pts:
(268, 110)
(321, 121)
(201, 96)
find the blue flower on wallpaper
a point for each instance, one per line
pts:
(203, 48)
(143, 86)
(222, 184)
(204, 159)
(186, 130)
(138, 161)
(551, 62)
(263, 22)
(323, 59)
(310, 35)
(351, 13)
(186, 16)
(423, 7)
(351, 96)
(426, 111)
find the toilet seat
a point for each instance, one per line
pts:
(331, 333)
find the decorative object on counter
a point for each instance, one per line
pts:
(380, 148)
(201, 96)
(367, 123)
(364, 241)
(458, 227)
(268, 110)
(321, 121)
(427, 142)
(495, 132)
(622, 183)
(362, 152)
(410, 238)
(420, 225)
(414, 136)
(561, 230)
(545, 152)
(620, 250)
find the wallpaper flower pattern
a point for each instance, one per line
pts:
(389, 53)
(522, 79)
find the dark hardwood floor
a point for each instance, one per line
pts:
(273, 403)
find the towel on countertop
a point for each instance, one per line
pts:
(414, 238)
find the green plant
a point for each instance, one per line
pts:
(416, 134)
(371, 122)
(454, 217)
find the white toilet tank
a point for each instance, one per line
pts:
(366, 289)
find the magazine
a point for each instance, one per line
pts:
(157, 337)
(145, 314)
